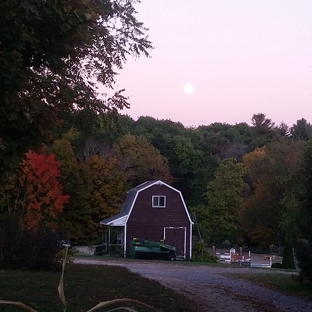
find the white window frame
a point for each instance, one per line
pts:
(158, 206)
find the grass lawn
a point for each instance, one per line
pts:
(286, 283)
(86, 286)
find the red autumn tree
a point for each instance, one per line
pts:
(42, 200)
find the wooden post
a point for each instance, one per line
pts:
(109, 238)
(106, 240)
(232, 255)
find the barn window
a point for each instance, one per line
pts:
(158, 201)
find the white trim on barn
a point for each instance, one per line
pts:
(118, 222)
(125, 241)
(160, 183)
(191, 239)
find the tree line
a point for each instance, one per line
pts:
(239, 179)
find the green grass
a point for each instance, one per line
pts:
(286, 283)
(85, 286)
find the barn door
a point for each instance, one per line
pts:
(176, 236)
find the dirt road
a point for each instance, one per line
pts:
(210, 288)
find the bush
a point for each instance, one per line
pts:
(60, 256)
(304, 257)
(201, 254)
(226, 244)
(288, 257)
(31, 250)
(276, 265)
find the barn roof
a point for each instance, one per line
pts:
(121, 218)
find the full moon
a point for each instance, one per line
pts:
(189, 88)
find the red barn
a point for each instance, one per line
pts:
(153, 210)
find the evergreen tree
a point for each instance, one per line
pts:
(288, 256)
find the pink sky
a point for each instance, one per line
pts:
(242, 56)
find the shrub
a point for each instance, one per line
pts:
(288, 256)
(304, 257)
(226, 244)
(201, 254)
(276, 265)
(31, 250)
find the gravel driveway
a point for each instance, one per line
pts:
(208, 287)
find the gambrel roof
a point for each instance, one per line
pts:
(121, 218)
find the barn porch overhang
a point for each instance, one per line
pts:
(113, 231)
(117, 220)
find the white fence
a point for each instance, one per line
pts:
(244, 260)
(224, 257)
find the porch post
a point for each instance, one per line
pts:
(109, 238)
(106, 240)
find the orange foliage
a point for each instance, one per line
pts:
(43, 198)
(253, 159)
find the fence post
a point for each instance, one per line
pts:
(232, 254)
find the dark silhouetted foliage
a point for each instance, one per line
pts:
(288, 256)
(276, 265)
(27, 250)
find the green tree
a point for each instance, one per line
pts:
(266, 215)
(282, 130)
(210, 141)
(304, 245)
(262, 125)
(109, 188)
(288, 256)
(301, 130)
(77, 183)
(141, 160)
(218, 219)
(53, 54)
(262, 131)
